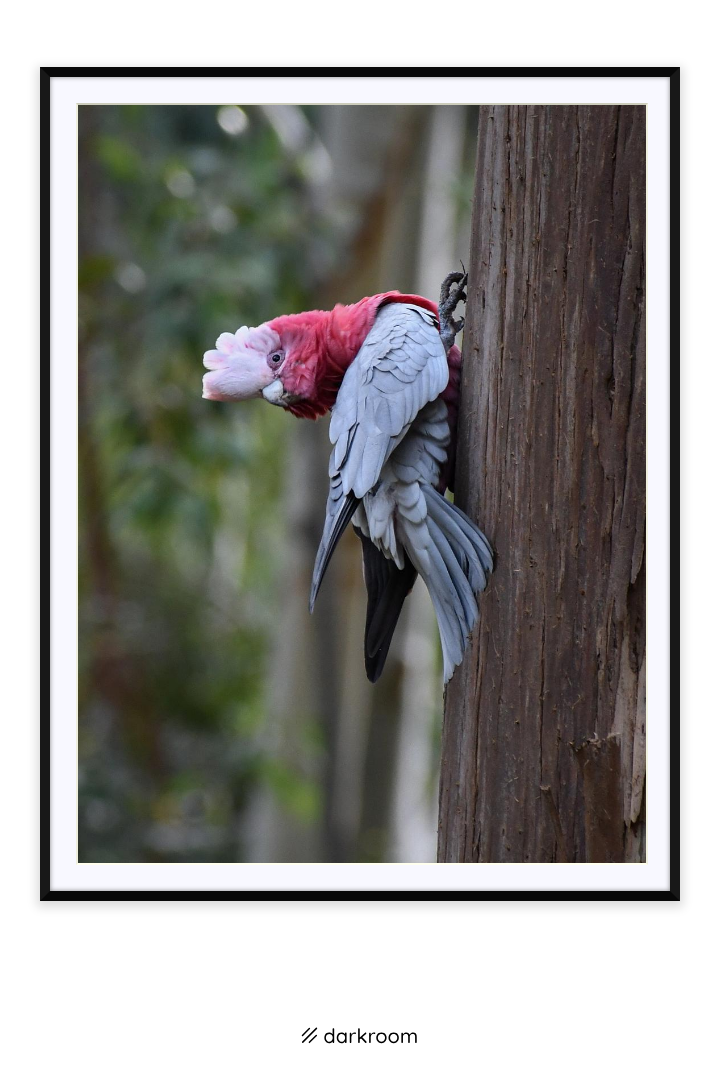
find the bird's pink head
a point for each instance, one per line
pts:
(296, 361)
(280, 360)
(242, 364)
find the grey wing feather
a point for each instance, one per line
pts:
(400, 367)
(338, 514)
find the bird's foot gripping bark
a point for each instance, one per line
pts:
(449, 300)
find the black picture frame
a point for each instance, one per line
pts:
(47, 74)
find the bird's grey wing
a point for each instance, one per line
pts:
(400, 367)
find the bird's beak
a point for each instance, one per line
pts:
(274, 393)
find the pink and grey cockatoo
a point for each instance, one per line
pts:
(388, 369)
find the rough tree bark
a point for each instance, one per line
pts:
(543, 755)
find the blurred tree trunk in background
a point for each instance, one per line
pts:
(119, 677)
(414, 813)
(371, 150)
(302, 680)
(375, 151)
(543, 755)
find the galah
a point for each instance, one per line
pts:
(389, 371)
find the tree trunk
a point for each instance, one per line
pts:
(543, 755)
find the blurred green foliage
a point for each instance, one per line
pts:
(192, 223)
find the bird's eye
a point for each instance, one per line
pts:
(276, 358)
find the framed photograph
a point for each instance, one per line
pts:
(412, 631)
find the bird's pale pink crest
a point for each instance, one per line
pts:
(239, 367)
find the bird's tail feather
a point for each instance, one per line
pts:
(455, 566)
(387, 586)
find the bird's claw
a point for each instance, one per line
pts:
(449, 300)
